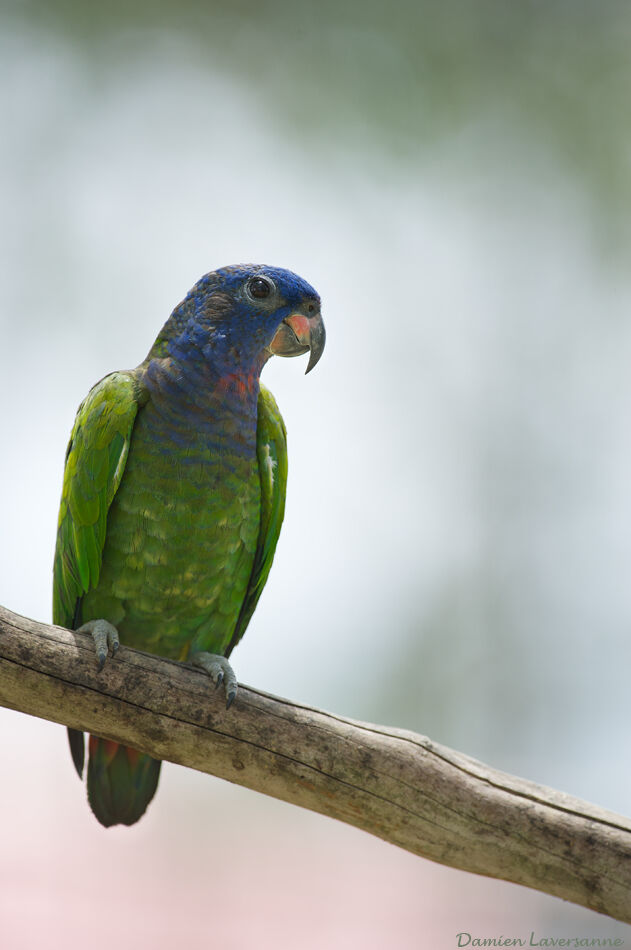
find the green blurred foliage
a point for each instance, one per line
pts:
(398, 77)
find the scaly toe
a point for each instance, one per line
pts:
(105, 636)
(220, 672)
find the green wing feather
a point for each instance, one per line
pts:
(95, 461)
(271, 451)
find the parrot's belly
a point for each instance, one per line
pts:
(181, 538)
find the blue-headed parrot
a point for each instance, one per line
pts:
(174, 494)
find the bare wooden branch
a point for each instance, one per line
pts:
(397, 785)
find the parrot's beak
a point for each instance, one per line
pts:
(299, 333)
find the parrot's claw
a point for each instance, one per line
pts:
(105, 636)
(219, 671)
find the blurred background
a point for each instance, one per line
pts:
(455, 180)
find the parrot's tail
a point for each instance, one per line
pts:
(121, 781)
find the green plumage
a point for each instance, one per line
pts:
(172, 547)
(95, 462)
(203, 587)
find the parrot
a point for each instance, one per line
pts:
(173, 498)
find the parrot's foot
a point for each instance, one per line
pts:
(219, 671)
(105, 635)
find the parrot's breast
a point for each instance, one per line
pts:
(183, 527)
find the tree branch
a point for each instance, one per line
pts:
(397, 785)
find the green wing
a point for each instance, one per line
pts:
(95, 461)
(271, 451)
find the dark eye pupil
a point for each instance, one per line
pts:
(259, 288)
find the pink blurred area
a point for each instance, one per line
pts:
(214, 865)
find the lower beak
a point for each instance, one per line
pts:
(299, 333)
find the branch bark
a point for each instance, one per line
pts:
(397, 785)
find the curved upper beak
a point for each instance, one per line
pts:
(299, 333)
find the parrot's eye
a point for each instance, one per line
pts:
(259, 288)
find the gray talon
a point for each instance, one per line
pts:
(105, 637)
(220, 672)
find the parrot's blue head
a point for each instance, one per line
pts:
(235, 318)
